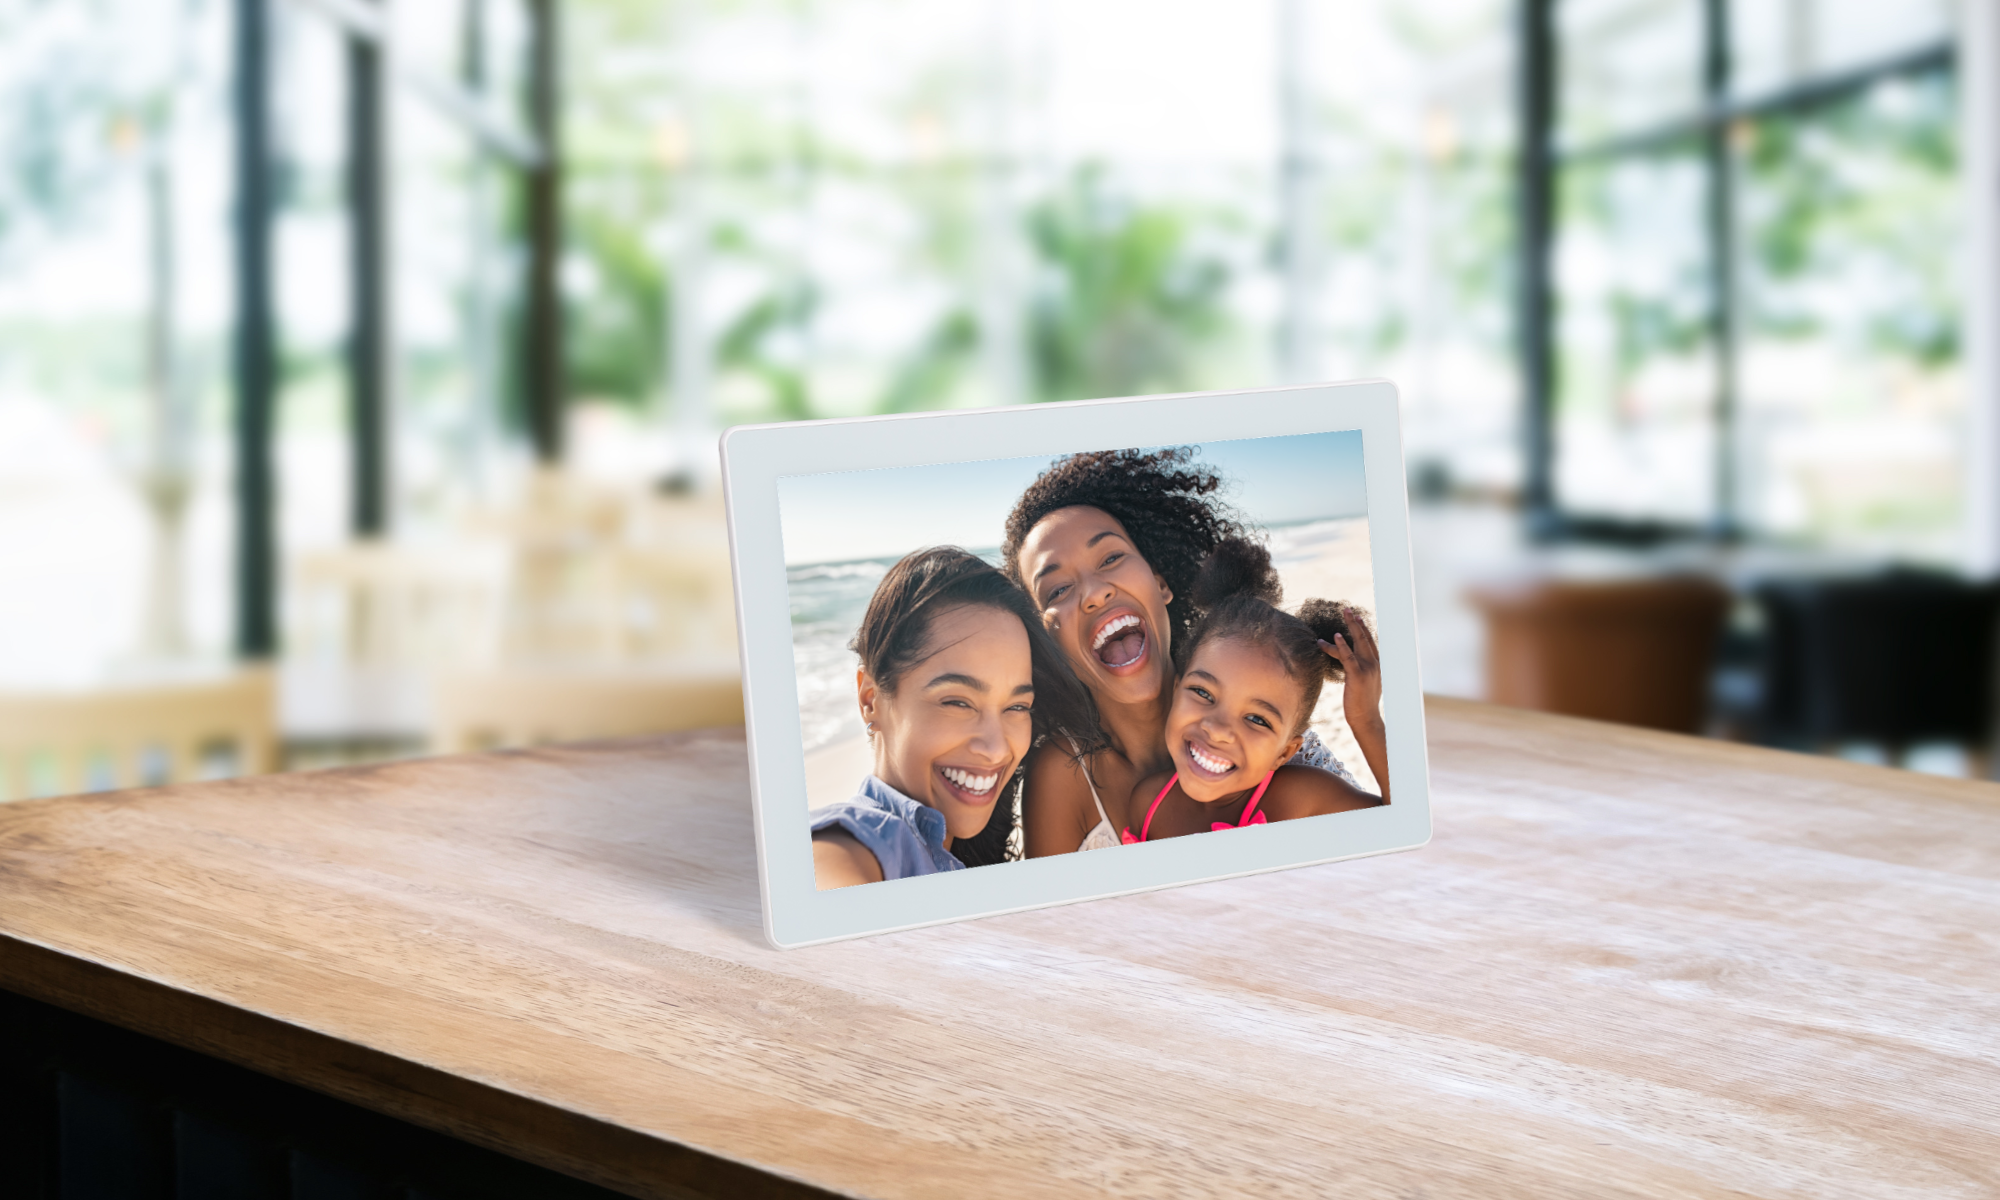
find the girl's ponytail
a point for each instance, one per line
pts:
(1236, 567)
(1327, 621)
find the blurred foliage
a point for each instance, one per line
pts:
(763, 342)
(1467, 253)
(1351, 228)
(657, 151)
(1108, 288)
(929, 375)
(618, 305)
(1473, 243)
(1842, 210)
(1645, 214)
(1458, 172)
(1847, 210)
(1647, 326)
(616, 337)
(59, 117)
(1127, 294)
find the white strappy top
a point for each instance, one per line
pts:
(1103, 836)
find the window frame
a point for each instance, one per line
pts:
(1538, 222)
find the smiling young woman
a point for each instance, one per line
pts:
(1107, 545)
(957, 679)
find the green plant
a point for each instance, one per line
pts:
(940, 360)
(758, 343)
(1127, 295)
(1639, 217)
(1850, 212)
(617, 334)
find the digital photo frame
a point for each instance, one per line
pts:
(1054, 597)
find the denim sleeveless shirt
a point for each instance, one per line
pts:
(906, 837)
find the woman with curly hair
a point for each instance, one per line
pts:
(1108, 545)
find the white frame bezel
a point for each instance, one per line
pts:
(755, 457)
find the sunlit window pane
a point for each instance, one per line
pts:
(313, 280)
(1003, 202)
(1626, 66)
(1852, 396)
(1780, 42)
(449, 283)
(1634, 431)
(114, 302)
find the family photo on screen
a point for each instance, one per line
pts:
(1025, 657)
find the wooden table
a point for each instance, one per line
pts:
(1630, 964)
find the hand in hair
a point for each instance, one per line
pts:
(1353, 646)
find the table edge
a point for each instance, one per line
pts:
(608, 1155)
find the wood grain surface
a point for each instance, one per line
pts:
(1630, 964)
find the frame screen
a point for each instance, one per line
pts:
(1016, 657)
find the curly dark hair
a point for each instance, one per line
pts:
(1166, 502)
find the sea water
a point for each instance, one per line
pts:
(828, 601)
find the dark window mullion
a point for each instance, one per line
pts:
(1535, 291)
(1818, 92)
(1721, 230)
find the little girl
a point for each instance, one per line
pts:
(1248, 678)
(957, 678)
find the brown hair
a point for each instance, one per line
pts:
(895, 633)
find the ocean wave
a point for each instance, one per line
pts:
(1301, 543)
(855, 570)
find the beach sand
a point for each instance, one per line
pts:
(834, 772)
(1329, 560)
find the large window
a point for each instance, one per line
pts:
(767, 209)
(119, 230)
(1751, 318)
(790, 209)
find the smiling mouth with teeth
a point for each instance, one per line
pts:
(1208, 762)
(966, 781)
(1120, 641)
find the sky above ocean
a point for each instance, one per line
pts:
(847, 516)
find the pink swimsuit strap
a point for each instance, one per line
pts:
(1146, 830)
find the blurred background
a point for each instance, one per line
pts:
(361, 361)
